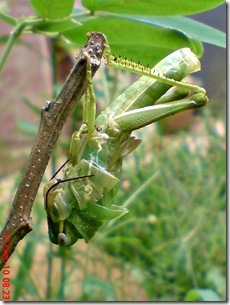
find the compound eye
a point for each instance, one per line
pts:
(63, 240)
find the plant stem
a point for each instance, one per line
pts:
(13, 36)
(8, 19)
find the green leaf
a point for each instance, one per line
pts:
(151, 7)
(192, 28)
(53, 9)
(135, 40)
(205, 295)
(57, 27)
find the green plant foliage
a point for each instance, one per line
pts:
(137, 21)
(189, 27)
(53, 9)
(151, 7)
(57, 27)
(133, 28)
(144, 34)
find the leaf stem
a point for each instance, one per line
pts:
(18, 29)
(13, 36)
(8, 19)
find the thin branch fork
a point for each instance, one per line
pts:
(53, 118)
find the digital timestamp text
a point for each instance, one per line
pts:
(6, 268)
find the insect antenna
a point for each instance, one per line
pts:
(59, 181)
(60, 168)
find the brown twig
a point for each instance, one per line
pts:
(53, 118)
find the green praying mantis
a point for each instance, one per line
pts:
(79, 203)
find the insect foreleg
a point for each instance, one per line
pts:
(173, 94)
(90, 103)
(192, 64)
(137, 118)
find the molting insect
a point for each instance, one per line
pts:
(82, 201)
